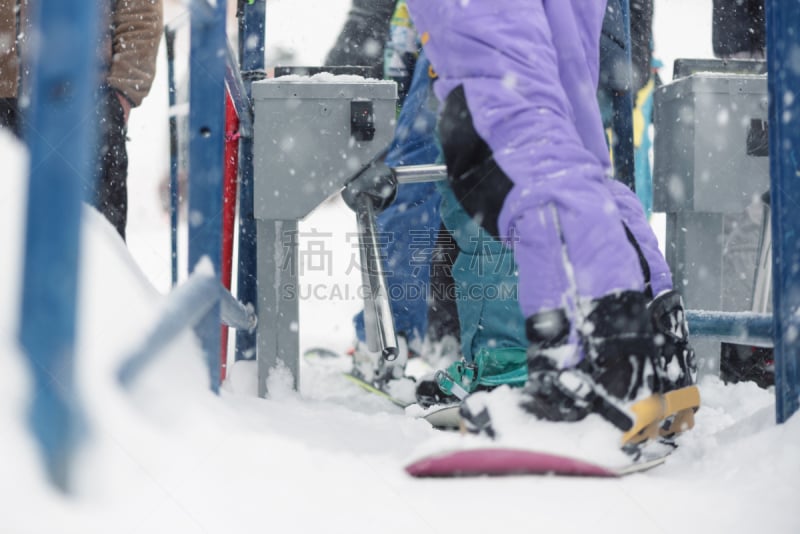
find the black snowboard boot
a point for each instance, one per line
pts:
(616, 339)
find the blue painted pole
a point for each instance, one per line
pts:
(206, 142)
(186, 305)
(783, 55)
(59, 131)
(238, 92)
(252, 27)
(622, 122)
(169, 38)
(732, 327)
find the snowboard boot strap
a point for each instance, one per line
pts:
(491, 368)
(449, 385)
(552, 393)
(570, 395)
(681, 406)
(663, 415)
(474, 417)
(648, 416)
(429, 394)
(675, 359)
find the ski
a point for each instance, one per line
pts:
(320, 354)
(375, 390)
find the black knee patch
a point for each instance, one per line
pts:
(477, 181)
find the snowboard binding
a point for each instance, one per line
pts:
(628, 346)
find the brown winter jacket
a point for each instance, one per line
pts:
(128, 51)
(8, 49)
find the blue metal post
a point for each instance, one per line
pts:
(622, 125)
(169, 38)
(186, 305)
(206, 141)
(252, 24)
(783, 57)
(60, 133)
(732, 327)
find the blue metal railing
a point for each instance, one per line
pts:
(186, 306)
(241, 101)
(60, 126)
(732, 327)
(169, 41)
(206, 141)
(238, 91)
(783, 44)
(252, 24)
(253, 55)
(622, 123)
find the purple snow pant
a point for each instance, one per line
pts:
(529, 69)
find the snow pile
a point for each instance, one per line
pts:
(168, 456)
(326, 77)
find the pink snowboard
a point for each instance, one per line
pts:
(500, 461)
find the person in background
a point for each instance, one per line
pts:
(363, 35)
(738, 29)
(438, 263)
(613, 59)
(9, 66)
(475, 330)
(404, 226)
(127, 63)
(739, 32)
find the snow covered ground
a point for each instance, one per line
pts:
(168, 456)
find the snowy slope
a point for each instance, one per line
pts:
(169, 457)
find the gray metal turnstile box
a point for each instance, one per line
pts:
(710, 168)
(311, 135)
(306, 143)
(711, 144)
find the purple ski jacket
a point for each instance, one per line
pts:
(529, 69)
